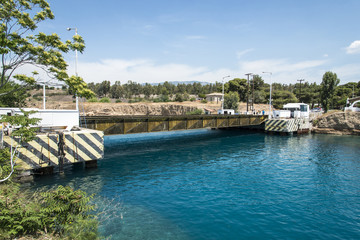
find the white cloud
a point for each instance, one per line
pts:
(348, 73)
(284, 71)
(140, 70)
(145, 70)
(354, 47)
(242, 53)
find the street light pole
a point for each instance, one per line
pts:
(76, 63)
(300, 80)
(270, 94)
(223, 95)
(247, 92)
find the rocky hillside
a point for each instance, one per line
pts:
(343, 123)
(57, 100)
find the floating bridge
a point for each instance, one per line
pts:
(112, 125)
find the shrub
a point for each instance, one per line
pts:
(202, 95)
(118, 101)
(162, 98)
(195, 112)
(192, 99)
(179, 98)
(204, 101)
(93, 100)
(104, 100)
(61, 211)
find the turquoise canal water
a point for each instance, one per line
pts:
(224, 185)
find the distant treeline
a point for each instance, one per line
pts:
(256, 88)
(311, 93)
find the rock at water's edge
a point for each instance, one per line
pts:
(341, 123)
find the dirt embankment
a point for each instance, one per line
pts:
(341, 123)
(146, 108)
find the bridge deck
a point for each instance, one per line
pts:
(141, 124)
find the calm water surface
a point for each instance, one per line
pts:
(224, 185)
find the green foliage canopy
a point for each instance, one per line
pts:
(328, 85)
(57, 211)
(21, 45)
(238, 85)
(231, 101)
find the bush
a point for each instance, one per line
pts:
(162, 98)
(61, 211)
(105, 100)
(179, 98)
(192, 99)
(118, 101)
(204, 101)
(93, 100)
(195, 112)
(202, 95)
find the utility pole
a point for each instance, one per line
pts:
(270, 94)
(223, 94)
(252, 98)
(300, 80)
(76, 64)
(247, 92)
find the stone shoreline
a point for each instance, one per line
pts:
(339, 123)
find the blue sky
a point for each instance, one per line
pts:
(205, 40)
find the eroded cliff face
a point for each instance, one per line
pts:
(146, 108)
(138, 109)
(342, 123)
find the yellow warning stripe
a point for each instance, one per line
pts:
(275, 125)
(43, 151)
(87, 146)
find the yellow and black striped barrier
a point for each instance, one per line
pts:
(286, 125)
(275, 125)
(80, 146)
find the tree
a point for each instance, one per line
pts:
(116, 90)
(238, 85)
(258, 82)
(282, 97)
(103, 89)
(179, 97)
(231, 101)
(16, 98)
(19, 46)
(328, 85)
(148, 90)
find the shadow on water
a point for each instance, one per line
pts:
(156, 152)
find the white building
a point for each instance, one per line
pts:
(214, 97)
(293, 110)
(226, 111)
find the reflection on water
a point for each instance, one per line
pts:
(224, 185)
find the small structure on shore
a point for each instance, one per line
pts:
(214, 97)
(352, 107)
(226, 111)
(294, 118)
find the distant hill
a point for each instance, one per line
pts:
(181, 82)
